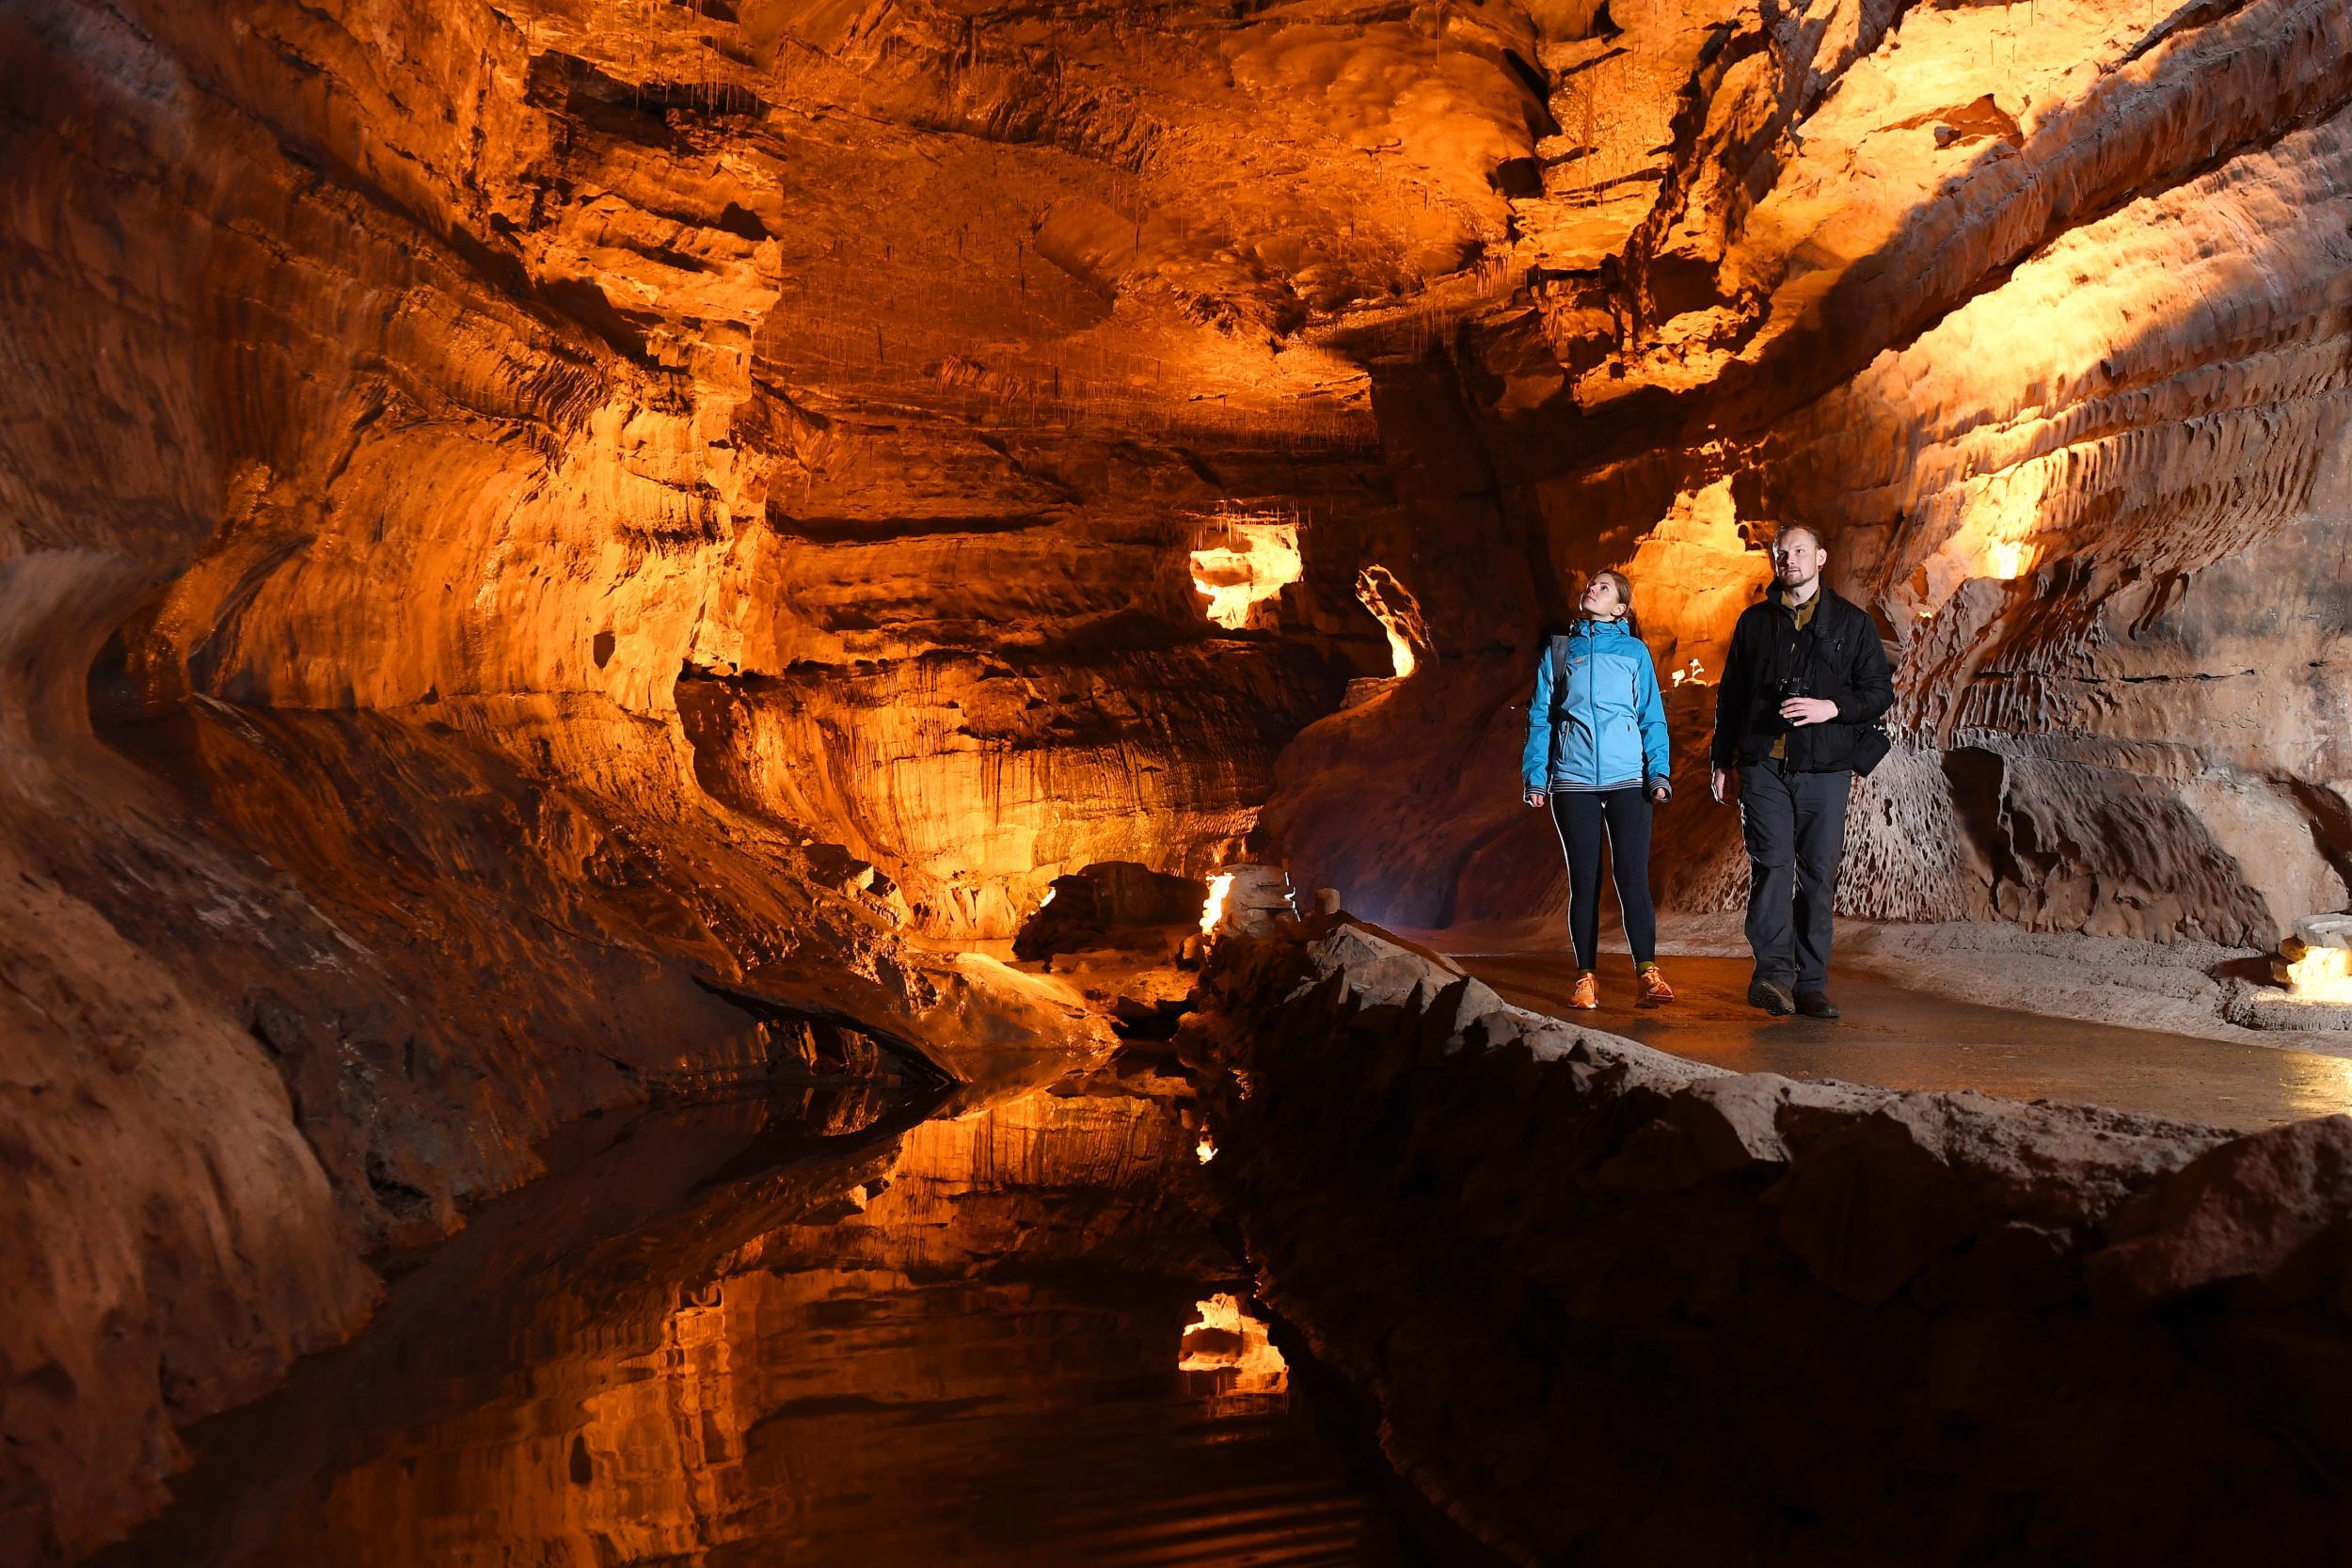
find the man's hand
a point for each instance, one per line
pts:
(1723, 784)
(1802, 711)
(1535, 797)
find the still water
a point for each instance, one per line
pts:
(827, 1330)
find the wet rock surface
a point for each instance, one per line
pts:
(1921, 1327)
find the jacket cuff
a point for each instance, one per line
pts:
(1658, 783)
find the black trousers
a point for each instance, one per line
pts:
(1582, 817)
(1795, 828)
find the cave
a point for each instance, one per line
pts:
(759, 782)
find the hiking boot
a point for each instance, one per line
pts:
(1772, 997)
(1654, 990)
(1816, 1004)
(1588, 992)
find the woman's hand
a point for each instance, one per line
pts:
(1535, 797)
(1658, 796)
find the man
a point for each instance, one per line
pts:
(1805, 685)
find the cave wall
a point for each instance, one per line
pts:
(2042, 316)
(522, 526)
(520, 522)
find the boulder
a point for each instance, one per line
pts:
(1379, 969)
(2245, 1210)
(2324, 930)
(1716, 1127)
(1867, 1207)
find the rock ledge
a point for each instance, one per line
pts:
(1619, 1308)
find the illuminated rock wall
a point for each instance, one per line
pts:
(513, 516)
(2042, 315)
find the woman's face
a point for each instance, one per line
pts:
(1602, 601)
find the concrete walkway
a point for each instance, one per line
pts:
(1905, 1039)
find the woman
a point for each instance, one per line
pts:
(1596, 752)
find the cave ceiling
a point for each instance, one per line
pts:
(849, 388)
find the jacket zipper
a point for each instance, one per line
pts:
(1592, 657)
(1633, 696)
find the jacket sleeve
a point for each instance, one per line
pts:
(1536, 758)
(1657, 763)
(1731, 698)
(1869, 684)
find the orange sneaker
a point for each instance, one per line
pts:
(1655, 992)
(1588, 992)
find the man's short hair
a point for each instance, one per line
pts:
(1821, 541)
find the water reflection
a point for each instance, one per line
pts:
(729, 1338)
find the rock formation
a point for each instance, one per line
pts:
(536, 534)
(1619, 1308)
(2042, 315)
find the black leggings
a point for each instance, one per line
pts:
(1580, 816)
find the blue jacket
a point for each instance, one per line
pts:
(1597, 721)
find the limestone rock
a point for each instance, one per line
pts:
(2242, 1211)
(1717, 1127)
(1255, 898)
(2324, 930)
(1376, 968)
(1870, 1207)
(519, 520)
(1880, 1295)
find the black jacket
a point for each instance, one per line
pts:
(1837, 655)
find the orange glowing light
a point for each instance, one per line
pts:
(2008, 559)
(2322, 974)
(1400, 654)
(1399, 614)
(1205, 1150)
(1255, 561)
(1213, 911)
(1225, 1339)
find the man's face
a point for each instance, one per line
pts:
(1797, 558)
